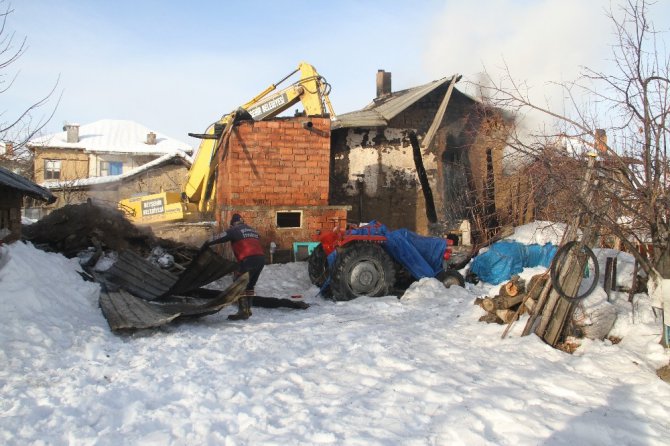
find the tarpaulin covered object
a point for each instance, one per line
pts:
(506, 258)
(422, 256)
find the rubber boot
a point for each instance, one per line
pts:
(244, 307)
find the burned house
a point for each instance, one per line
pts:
(374, 162)
(13, 189)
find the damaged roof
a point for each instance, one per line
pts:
(382, 110)
(14, 181)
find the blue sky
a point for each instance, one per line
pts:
(178, 66)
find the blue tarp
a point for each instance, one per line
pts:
(422, 256)
(506, 258)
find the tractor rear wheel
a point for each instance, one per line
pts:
(451, 277)
(317, 266)
(362, 269)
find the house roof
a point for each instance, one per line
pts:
(14, 181)
(113, 135)
(92, 181)
(382, 110)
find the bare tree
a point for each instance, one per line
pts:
(18, 127)
(632, 105)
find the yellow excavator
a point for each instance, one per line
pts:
(197, 196)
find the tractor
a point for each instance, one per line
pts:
(372, 260)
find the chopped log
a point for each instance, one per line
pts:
(492, 304)
(513, 287)
(506, 302)
(509, 289)
(478, 301)
(489, 305)
(507, 316)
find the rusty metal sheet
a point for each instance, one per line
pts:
(126, 312)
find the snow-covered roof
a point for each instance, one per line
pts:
(92, 181)
(114, 135)
(16, 181)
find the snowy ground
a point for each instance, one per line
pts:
(416, 371)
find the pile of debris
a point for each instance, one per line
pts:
(139, 290)
(75, 228)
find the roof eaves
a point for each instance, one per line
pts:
(14, 181)
(382, 110)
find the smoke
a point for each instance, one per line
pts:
(540, 42)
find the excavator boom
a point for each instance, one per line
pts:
(311, 89)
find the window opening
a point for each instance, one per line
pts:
(292, 219)
(52, 169)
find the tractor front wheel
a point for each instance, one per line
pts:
(362, 269)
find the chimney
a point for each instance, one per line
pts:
(151, 138)
(9, 148)
(601, 140)
(383, 83)
(72, 132)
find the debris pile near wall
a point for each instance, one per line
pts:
(74, 228)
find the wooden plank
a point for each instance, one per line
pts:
(557, 310)
(435, 125)
(431, 213)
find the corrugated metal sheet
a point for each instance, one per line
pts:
(14, 181)
(124, 311)
(141, 278)
(379, 113)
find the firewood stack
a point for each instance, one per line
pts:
(513, 299)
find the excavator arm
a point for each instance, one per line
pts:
(198, 192)
(311, 89)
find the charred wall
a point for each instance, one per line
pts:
(374, 172)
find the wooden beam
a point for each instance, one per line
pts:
(430, 134)
(431, 213)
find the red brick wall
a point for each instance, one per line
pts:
(278, 165)
(263, 219)
(276, 162)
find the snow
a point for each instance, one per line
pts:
(114, 135)
(539, 232)
(420, 370)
